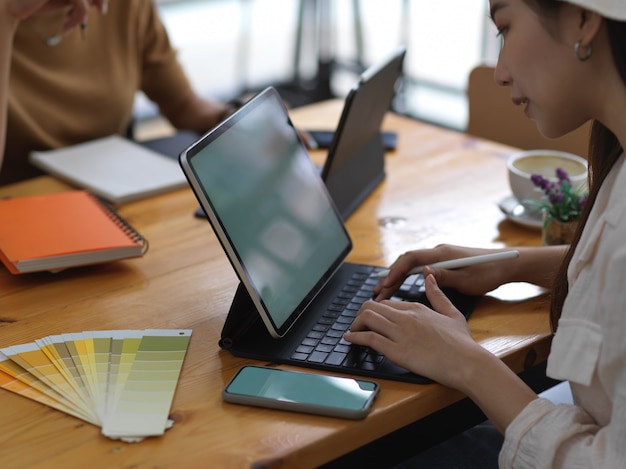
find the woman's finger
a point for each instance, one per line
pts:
(77, 14)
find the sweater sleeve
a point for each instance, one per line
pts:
(161, 69)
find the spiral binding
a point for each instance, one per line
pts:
(122, 223)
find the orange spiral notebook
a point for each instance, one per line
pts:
(68, 229)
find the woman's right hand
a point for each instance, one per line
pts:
(474, 280)
(77, 10)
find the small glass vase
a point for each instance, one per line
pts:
(555, 232)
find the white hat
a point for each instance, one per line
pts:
(613, 9)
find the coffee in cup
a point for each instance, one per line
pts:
(521, 166)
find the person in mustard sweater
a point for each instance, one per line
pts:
(71, 69)
(12, 12)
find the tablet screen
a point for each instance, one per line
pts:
(269, 207)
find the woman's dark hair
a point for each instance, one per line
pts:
(604, 150)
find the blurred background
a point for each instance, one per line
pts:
(315, 49)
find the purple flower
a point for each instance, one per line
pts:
(539, 181)
(562, 175)
(562, 202)
(556, 198)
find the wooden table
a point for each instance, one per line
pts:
(442, 186)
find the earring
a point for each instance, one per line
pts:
(587, 54)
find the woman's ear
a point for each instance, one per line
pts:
(589, 25)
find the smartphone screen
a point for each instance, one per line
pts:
(301, 391)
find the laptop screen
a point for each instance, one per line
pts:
(269, 208)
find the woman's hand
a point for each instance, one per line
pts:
(77, 10)
(436, 343)
(473, 280)
(431, 343)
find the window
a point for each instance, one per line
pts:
(228, 46)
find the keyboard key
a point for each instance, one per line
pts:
(341, 301)
(368, 366)
(300, 356)
(330, 340)
(317, 357)
(341, 327)
(325, 347)
(412, 289)
(335, 358)
(305, 349)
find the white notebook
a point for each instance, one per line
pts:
(113, 167)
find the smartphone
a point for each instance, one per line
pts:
(301, 392)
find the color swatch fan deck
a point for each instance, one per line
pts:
(122, 380)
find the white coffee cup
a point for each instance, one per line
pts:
(521, 166)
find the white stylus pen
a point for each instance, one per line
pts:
(458, 263)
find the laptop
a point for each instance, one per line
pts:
(287, 243)
(355, 164)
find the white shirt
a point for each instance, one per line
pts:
(588, 350)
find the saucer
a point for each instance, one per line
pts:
(519, 214)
